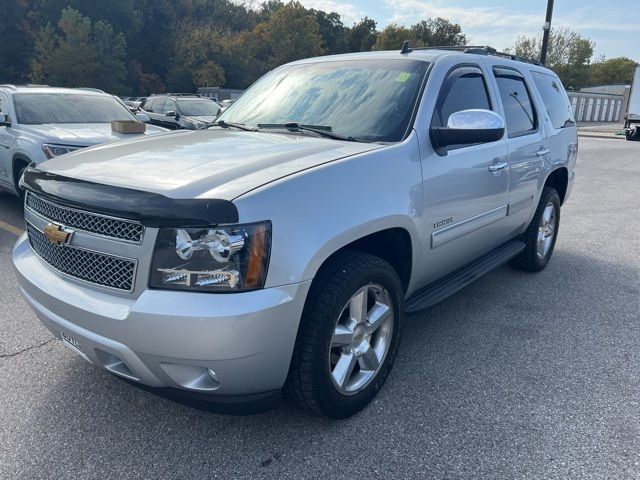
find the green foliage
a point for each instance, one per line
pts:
(392, 37)
(80, 54)
(144, 46)
(612, 71)
(569, 54)
(362, 36)
(438, 32)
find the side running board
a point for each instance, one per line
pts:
(440, 289)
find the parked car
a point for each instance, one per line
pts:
(281, 249)
(224, 104)
(40, 122)
(135, 102)
(181, 110)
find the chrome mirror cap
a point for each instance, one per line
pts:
(475, 119)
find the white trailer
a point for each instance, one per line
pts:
(633, 109)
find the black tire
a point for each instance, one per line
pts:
(309, 383)
(20, 166)
(529, 259)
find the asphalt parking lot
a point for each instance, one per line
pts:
(517, 376)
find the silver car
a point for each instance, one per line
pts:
(280, 250)
(39, 122)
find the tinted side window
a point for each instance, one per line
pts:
(148, 104)
(519, 114)
(158, 105)
(463, 89)
(555, 99)
(169, 106)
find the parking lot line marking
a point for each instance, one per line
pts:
(10, 228)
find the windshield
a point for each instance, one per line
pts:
(42, 108)
(198, 108)
(370, 100)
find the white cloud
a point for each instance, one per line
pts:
(349, 13)
(499, 27)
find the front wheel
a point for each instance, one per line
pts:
(348, 336)
(541, 235)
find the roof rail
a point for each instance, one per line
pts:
(474, 49)
(89, 89)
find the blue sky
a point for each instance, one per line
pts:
(614, 26)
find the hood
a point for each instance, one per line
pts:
(83, 134)
(213, 163)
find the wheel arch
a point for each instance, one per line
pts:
(18, 160)
(559, 180)
(393, 245)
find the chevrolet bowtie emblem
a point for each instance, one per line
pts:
(57, 234)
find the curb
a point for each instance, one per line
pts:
(601, 135)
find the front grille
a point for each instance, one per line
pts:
(88, 222)
(93, 267)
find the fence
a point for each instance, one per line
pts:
(596, 107)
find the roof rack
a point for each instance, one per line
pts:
(474, 49)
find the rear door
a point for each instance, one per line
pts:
(526, 141)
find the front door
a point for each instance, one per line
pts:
(465, 187)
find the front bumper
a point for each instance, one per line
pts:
(218, 345)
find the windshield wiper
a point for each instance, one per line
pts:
(323, 130)
(223, 124)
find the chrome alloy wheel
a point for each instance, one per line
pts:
(361, 339)
(546, 230)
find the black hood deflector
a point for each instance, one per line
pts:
(150, 209)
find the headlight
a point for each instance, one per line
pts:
(216, 259)
(51, 151)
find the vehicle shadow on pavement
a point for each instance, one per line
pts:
(517, 375)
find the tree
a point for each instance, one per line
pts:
(393, 36)
(332, 31)
(16, 50)
(209, 74)
(611, 71)
(438, 32)
(362, 36)
(294, 34)
(569, 54)
(80, 54)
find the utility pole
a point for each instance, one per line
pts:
(547, 31)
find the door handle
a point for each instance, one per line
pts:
(543, 151)
(497, 166)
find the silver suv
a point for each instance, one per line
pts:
(39, 122)
(280, 250)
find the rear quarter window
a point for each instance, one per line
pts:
(555, 99)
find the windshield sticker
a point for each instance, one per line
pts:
(403, 77)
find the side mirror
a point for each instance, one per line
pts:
(5, 121)
(171, 113)
(469, 127)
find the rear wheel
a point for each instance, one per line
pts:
(540, 237)
(348, 337)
